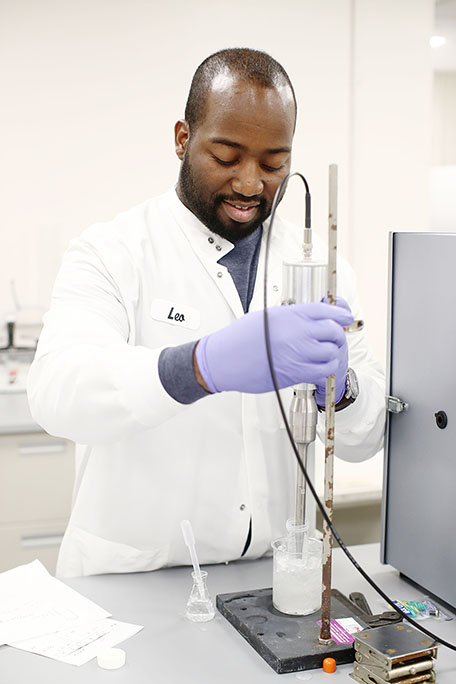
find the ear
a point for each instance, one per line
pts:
(181, 137)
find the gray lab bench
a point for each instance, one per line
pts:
(171, 650)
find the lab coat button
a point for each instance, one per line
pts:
(275, 288)
(219, 274)
(218, 248)
(210, 240)
(242, 507)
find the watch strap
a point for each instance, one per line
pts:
(350, 394)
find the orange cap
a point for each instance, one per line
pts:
(329, 665)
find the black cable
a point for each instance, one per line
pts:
(277, 198)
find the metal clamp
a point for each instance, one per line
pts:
(395, 405)
(388, 617)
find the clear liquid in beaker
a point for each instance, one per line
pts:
(199, 605)
(296, 581)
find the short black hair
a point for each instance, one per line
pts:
(248, 64)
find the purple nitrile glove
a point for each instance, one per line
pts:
(306, 343)
(340, 301)
(342, 367)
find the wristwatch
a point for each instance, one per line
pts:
(351, 391)
(350, 394)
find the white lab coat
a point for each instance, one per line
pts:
(145, 461)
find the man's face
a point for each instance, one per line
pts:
(235, 160)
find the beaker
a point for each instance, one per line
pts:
(199, 605)
(296, 578)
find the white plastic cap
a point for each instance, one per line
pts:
(111, 658)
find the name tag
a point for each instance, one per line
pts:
(175, 314)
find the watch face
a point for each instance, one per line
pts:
(352, 384)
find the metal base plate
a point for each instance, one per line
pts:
(288, 643)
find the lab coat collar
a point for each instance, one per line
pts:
(211, 247)
(184, 215)
(196, 231)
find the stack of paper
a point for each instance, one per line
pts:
(40, 614)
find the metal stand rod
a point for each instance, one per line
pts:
(325, 632)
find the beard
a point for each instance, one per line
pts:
(207, 211)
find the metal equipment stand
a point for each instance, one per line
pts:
(290, 643)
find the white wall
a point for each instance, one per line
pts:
(392, 140)
(444, 118)
(442, 190)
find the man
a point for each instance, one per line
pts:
(152, 356)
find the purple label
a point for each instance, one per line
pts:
(338, 633)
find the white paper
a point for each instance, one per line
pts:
(350, 625)
(79, 644)
(33, 603)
